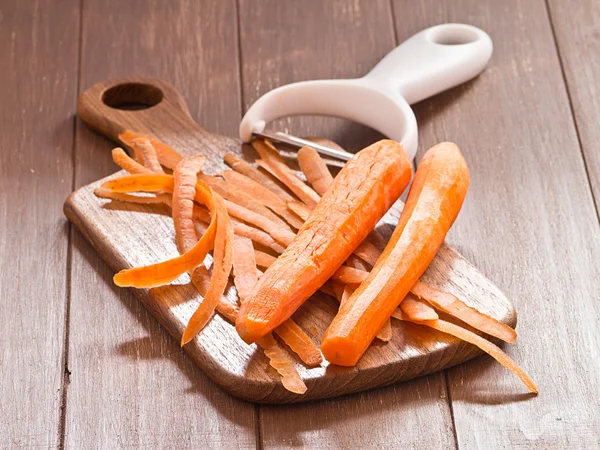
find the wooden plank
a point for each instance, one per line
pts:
(38, 56)
(283, 42)
(528, 222)
(131, 385)
(576, 27)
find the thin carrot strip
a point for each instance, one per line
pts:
(247, 169)
(222, 264)
(241, 198)
(272, 162)
(184, 188)
(244, 266)
(299, 208)
(261, 193)
(263, 259)
(368, 252)
(435, 198)
(346, 293)
(385, 333)
(282, 235)
(287, 176)
(124, 161)
(129, 198)
(315, 169)
(166, 155)
(148, 154)
(493, 350)
(417, 310)
(166, 271)
(450, 304)
(299, 342)
(201, 279)
(349, 275)
(281, 361)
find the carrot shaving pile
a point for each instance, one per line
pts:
(247, 218)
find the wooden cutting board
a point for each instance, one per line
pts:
(134, 235)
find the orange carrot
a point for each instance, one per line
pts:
(385, 333)
(263, 259)
(282, 235)
(363, 191)
(315, 169)
(367, 252)
(453, 306)
(283, 364)
(222, 264)
(122, 197)
(417, 310)
(164, 272)
(244, 266)
(349, 275)
(166, 155)
(261, 193)
(124, 161)
(149, 158)
(241, 198)
(493, 350)
(299, 208)
(201, 279)
(247, 169)
(299, 342)
(184, 187)
(272, 162)
(435, 198)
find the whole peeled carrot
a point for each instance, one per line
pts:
(363, 191)
(434, 200)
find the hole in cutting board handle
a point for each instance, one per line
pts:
(132, 96)
(453, 35)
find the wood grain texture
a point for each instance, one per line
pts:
(576, 27)
(38, 57)
(131, 385)
(528, 222)
(337, 39)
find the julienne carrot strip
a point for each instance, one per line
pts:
(164, 272)
(148, 154)
(435, 198)
(124, 161)
(385, 332)
(184, 187)
(244, 266)
(283, 364)
(201, 279)
(299, 342)
(166, 155)
(241, 198)
(268, 198)
(315, 170)
(362, 192)
(417, 310)
(450, 304)
(349, 275)
(367, 252)
(129, 198)
(272, 162)
(282, 235)
(263, 259)
(493, 350)
(299, 208)
(247, 169)
(222, 265)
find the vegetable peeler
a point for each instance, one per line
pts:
(431, 61)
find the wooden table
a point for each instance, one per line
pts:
(82, 363)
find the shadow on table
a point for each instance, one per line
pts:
(158, 344)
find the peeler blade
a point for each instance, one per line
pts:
(284, 138)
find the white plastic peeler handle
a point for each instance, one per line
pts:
(428, 63)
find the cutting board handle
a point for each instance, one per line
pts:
(135, 103)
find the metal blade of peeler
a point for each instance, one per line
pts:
(284, 138)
